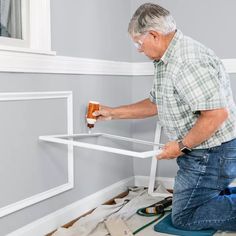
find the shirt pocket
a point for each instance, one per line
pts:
(176, 111)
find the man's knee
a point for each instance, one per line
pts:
(181, 221)
(176, 221)
(179, 217)
(185, 222)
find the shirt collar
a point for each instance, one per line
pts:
(170, 49)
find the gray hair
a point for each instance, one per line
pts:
(151, 16)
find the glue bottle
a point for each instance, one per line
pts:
(91, 119)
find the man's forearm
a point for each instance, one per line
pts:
(207, 124)
(142, 109)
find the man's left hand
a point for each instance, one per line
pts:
(170, 151)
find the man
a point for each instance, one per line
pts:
(191, 95)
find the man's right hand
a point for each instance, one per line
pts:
(104, 113)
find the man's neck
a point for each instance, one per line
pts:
(167, 40)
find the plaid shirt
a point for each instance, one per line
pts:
(189, 78)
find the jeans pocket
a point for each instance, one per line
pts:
(228, 164)
(195, 161)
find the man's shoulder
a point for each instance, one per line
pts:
(190, 49)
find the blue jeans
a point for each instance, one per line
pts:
(202, 199)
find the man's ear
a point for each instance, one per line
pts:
(155, 34)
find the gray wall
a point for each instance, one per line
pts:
(92, 29)
(212, 23)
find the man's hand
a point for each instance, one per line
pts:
(104, 113)
(170, 151)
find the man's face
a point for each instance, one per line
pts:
(149, 44)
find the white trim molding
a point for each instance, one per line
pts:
(58, 218)
(39, 63)
(40, 25)
(33, 63)
(166, 182)
(65, 186)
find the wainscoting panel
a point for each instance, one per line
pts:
(33, 170)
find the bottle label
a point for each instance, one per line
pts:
(92, 106)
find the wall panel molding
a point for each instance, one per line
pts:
(34, 63)
(70, 182)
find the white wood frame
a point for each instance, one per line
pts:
(61, 140)
(154, 165)
(156, 146)
(36, 29)
(59, 189)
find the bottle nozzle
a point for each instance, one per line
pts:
(90, 126)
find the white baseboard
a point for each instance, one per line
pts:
(167, 182)
(58, 218)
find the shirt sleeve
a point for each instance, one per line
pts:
(152, 97)
(153, 92)
(201, 86)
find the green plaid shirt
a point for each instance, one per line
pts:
(189, 78)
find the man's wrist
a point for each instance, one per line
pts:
(183, 148)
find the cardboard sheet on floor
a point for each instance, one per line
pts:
(165, 226)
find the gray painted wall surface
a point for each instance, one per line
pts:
(91, 29)
(210, 22)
